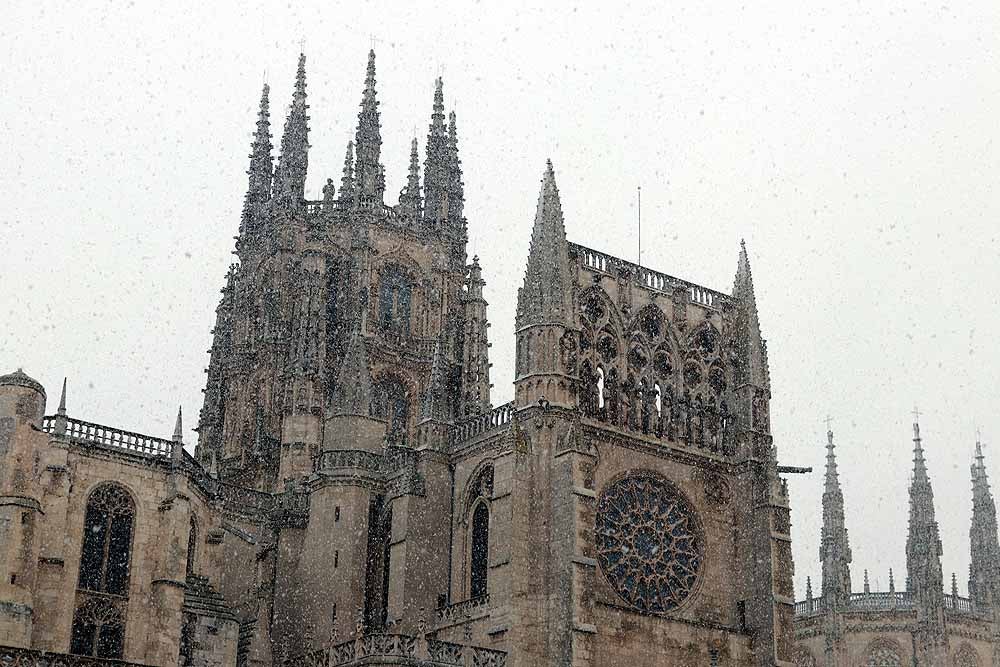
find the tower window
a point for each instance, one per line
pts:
(600, 388)
(479, 565)
(394, 301)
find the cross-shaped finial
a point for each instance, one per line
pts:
(829, 423)
(440, 70)
(302, 45)
(979, 434)
(374, 40)
(916, 414)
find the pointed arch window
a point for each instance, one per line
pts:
(394, 296)
(479, 557)
(99, 619)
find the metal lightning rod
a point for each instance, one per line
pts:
(639, 211)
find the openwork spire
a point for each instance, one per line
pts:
(984, 562)
(923, 542)
(347, 179)
(544, 298)
(368, 142)
(290, 174)
(834, 548)
(436, 160)
(410, 202)
(456, 189)
(259, 173)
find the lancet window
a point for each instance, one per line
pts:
(99, 619)
(478, 512)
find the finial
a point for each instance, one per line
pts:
(809, 588)
(829, 424)
(954, 586)
(178, 428)
(892, 582)
(916, 423)
(867, 587)
(62, 401)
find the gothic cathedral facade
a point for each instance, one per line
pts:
(355, 497)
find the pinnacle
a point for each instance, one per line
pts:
(178, 427)
(62, 400)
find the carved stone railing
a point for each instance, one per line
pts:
(695, 423)
(381, 649)
(959, 604)
(873, 601)
(464, 608)
(394, 459)
(647, 278)
(24, 657)
(87, 433)
(488, 421)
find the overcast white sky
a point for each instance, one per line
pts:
(854, 146)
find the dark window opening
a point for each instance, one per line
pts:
(192, 545)
(479, 567)
(394, 295)
(377, 565)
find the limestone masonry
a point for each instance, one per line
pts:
(355, 498)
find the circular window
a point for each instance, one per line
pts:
(647, 543)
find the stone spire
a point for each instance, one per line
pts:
(353, 392)
(290, 174)
(436, 161)
(984, 562)
(259, 173)
(61, 422)
(177, 451)
(456, 189)
(752, 367)
(369, 176)
(892, 582)
(868, 588)
(834, 548)
(410, 202)
(923, 558)
(809, 588)
(347, 180)
(545, 296)
(61, 410)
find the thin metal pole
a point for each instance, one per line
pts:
(639, 208)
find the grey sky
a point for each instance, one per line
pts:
(855, 148)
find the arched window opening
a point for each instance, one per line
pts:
(395, 292)
(99, 620)
(392, 404)
(377, 566)
(659, 399)
(192, 545)
(600, 388)
(107, 541)
(479, 561)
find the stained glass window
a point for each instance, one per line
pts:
(647, 542)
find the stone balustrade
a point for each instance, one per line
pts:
(478, 424)
(647, 278)
(464, 609)
(391, 649)
(881, 601)
(87, 433)
(24, 657)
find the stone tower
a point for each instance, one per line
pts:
(328, 291)
(923, 563)
(834, 550)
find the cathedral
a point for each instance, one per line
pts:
(919, 624)
(356, 498)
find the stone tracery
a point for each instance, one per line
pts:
(648, 543)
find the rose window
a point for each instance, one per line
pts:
(647, 543)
